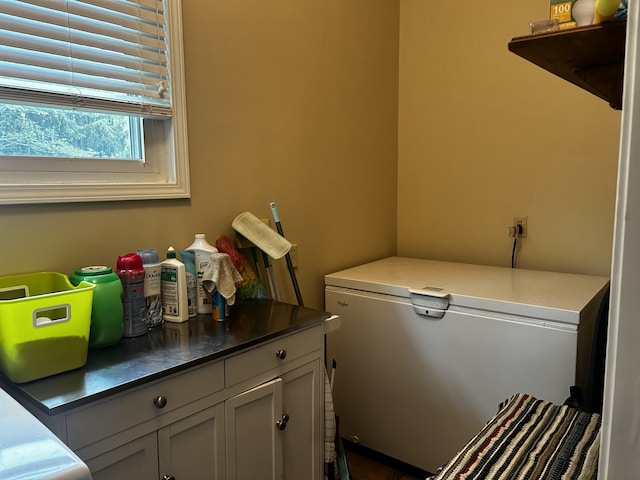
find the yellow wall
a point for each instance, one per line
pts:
(300, 102)
(288, 101)
(485, 135)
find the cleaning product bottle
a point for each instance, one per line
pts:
(106, 310)
(152, 300)
(129, 269)
(174, 289)
(202, 252)
(190, 271)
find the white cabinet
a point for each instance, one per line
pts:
(303, 399)
(275, 429)
(168, 429)
(188, 448)
(143, 409)
(253, 439)
(254, 415)
(137, 459)
(193, 447)
(293, 449)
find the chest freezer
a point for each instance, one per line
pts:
(427, 350)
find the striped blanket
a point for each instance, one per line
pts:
(530, 439)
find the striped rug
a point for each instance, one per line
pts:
(530, 439)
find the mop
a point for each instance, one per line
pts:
(296, 288)
(263, 237)
(274, 244)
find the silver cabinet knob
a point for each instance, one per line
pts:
(281, 354)
(168, 477)
(160, 401)
(282, 423)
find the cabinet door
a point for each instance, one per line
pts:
(253, 438)
(193, 448)
(135, 460)
(303, 437)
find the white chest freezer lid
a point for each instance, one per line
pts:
(30, 451)
(554, 296)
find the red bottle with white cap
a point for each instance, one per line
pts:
(131, 272)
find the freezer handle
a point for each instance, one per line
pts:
(428, 312)
(429, 298)
(332, 323)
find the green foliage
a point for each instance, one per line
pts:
(36, 131)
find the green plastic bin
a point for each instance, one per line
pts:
(44, 325)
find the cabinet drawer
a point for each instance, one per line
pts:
(274, 354)
(102, 419)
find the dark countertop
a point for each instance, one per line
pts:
(163, 351)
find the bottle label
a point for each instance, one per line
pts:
(204, 297)
(169, 282)
(192, 296)
(152, 300)
(152, 275)
(133, 302)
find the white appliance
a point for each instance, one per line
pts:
(29, 451)
(427, 350)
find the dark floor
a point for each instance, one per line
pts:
(367, 465)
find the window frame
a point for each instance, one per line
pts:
(163, 173)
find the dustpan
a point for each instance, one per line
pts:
(262, 236)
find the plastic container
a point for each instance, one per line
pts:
(106, 311)
(152, 290)
(44, 325)
(188, 259)
(174, 289)
(129, 269)
(202, 252)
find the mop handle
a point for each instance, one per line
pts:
(272, 281)
(276, 219)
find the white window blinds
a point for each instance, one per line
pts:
(108, 55)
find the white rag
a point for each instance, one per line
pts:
(329, 423)
(222, 275)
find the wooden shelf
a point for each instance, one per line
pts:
(591, 57)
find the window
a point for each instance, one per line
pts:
(92, 101)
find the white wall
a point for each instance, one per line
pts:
(485, 135)
(620, 455)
